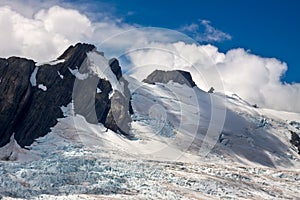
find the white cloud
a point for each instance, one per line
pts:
(252, 77)
(28, 8)
(209, 34)
(45, 33)
(69, 24)
(38, 37)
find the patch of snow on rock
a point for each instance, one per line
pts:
(60, 75)
(78, 75)
(33, 76)
(42, 87)
(68, 110)
(54, 62)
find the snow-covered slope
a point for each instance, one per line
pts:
(216, 126)
(188, 144)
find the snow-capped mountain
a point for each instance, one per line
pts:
(33, 93)
(91, 132)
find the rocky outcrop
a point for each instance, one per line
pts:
(32, 95)
(115, 67)
(177, 76)
(295, 140)
(113, 112)
(119, 115)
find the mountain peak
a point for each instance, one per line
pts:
(79, 48)
(177, 76)
(30, 110)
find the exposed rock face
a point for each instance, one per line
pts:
(211, 90)
(113, 112)
(16, 91)
(118, 116)
(178, 76)
(44, 108)
(30, 110)
(295, 140)
(115, 67)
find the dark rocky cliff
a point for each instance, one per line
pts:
(30, 110)
(178, 76)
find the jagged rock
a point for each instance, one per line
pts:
(211, 90)
(44, 108)
(295, 124)
(113, 112)
(178, 76)
(118, 116)
(295, 140)
(30, 111)
(115, 67)
(103, 99)
(89, 103)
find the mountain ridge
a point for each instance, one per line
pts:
(29, 110)
(34, 94)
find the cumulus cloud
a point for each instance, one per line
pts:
(205, 32)
(44, 36)
(45, 33)
(254, 78)
(28, 8)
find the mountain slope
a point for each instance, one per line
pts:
(114, 137)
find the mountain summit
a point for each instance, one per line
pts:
(32, 94)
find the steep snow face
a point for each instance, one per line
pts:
(251, 136)
(241, 132)
(181, 111)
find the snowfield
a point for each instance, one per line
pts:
(188, 144)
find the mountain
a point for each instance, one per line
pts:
(77, 127)
(32, 94)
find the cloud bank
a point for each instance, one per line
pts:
(43, 36)
(44, 33)
(254, 78)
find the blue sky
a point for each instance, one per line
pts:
(269, 28)
(247, 34)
